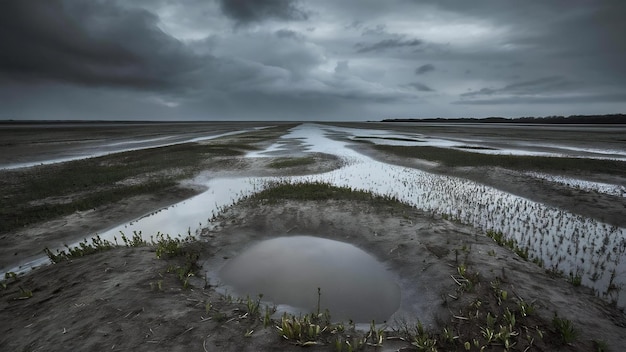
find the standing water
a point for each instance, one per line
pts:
(288, 271)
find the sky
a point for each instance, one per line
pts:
(349, 60)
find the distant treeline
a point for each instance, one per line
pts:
(573, 119)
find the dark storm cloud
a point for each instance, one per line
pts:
(387, 44)
(89, 43)
(298, 59)
(424, 69)
(533, 87)
(420, 87)
(246, 11)
(286, 33)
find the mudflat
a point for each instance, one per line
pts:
(452, 276)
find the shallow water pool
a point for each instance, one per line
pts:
(288, 271)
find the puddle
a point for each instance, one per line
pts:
(289, 270)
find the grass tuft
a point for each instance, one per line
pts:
(282, 163)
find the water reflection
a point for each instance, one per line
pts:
(289, 270)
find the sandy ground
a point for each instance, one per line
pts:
(112, 300)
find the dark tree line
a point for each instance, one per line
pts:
(573, 119)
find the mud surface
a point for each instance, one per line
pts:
(126, 299)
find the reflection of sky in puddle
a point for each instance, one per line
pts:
(192, 214)
(561, 239)
(289, 270)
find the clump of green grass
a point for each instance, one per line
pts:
(82, 249)
(564, 329)
(282, 163)
(319, 191)
(165, 246)
(302, 330)
(509, 243)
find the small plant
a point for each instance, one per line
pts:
(467, 280)
(491, 320)
(301, 330)
(25, 293)
(489, 334)
(376, 335)
(267, 317)
(167, 247)
(575, 279)
(565, 329)
(220, 317)
(422, 340)
(8, 276)
(253, 305)
(509, 317)
(600, 345)
(525, 308)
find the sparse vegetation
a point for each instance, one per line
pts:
(280, 191)
(42, 193)
(165, 246)
(455, 157)
(282, 163)
(564, 329)
(492, 316)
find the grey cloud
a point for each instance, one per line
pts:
(89, 43)
(564, 99)
(356, 24)
(342, 67)
(387, 44)
(420, 87)
(246, 11)
(287, 33)
(380, 29)
(424, 69)
(537, 86)
(124, 57)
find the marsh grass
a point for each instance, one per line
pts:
(564, 329)
(165, 246)
(281, 191)
(509, 243)
(399, 139)
(41, 193)
(282, 163)
(455, 157)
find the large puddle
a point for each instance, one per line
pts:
(288, 271)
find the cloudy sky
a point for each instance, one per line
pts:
(310, 59)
